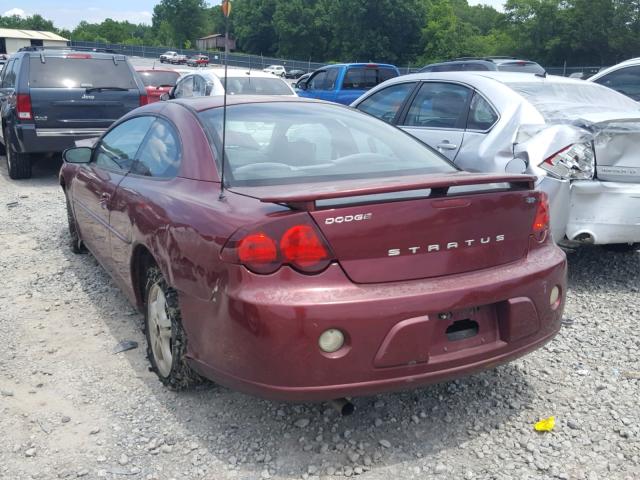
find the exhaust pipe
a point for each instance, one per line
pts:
(343, 406)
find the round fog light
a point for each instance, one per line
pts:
(331, 340)
(555, 296)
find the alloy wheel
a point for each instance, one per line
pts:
(160, 332)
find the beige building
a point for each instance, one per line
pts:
(13, 40)
(214, 42)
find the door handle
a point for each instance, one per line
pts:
(104, 199)
(447, 146)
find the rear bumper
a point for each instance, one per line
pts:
(45, 140)
(259, 334)
(604, 212)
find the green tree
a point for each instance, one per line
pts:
(186, 19)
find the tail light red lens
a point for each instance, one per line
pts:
(23, 106)
(293, 240)
(257, 249)
(540, 226)
(144, 100)
(301, 246)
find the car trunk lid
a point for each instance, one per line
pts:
(419, 227)
(616, 146)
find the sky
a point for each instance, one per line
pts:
(68, 13)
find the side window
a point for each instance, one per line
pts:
(439, 105)
(386, 103)
(360, 78)
(481, 115)
(475, 67)
(117, 150)
(625, 80)
(199, 86)
(317, 81)
(160, 154)
(9, 77)
(185, 88)
(330, 82)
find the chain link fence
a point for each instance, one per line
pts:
(259, 62)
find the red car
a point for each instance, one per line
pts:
(342, 257)
(198, 61)
(157, 82)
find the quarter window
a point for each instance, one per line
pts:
(199, 86)
(160, 153)
(625, 80)
(439, 105)
(117, 150)
(386, 103)
(481, 115)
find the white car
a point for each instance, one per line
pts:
(623, 77)
(210, 82)
(168, 56)
(278, 70)
(579, 138)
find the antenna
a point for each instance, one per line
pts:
(226, 10)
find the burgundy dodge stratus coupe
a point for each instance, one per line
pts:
(342, 257)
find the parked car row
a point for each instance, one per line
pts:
(407, 239)
(176, 58)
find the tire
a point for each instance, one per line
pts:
(622, 247)
(74, 237)
(18, 164)
(166, 339)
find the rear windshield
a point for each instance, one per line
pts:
(159, 79)
(522, 67)
(557, 101)
(294, 142)
(256, 86)
(58, 72)
(364, 78)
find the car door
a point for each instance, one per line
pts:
(316, 86)
(437, 115)
(95, 184)
(156, 164)
(386, 104)
(480, 121)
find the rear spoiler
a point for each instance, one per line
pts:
(305, 196)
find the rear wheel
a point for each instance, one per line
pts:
(18, 164)
(622, 247)
(75, 243)
(166, 339)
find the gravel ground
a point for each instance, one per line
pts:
(71, 408)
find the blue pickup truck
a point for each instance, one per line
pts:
(344, 83)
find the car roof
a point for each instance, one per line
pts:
(370, 64)
(613, 68)
(235, 73)
(201, 104)
(63, 52)
(502, 77)
(167, 70)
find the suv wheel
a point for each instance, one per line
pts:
(18, 164)
(166, 339)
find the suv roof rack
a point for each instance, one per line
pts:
(488, 59)
(38, 48)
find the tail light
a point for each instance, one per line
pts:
(574, 162)
(293, 240)
(24, 107)
(144, 100)
(540, 227)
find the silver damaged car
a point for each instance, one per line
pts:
(581, 140)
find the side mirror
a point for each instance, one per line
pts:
(77, 155)
(303, 85)
(164, 97)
